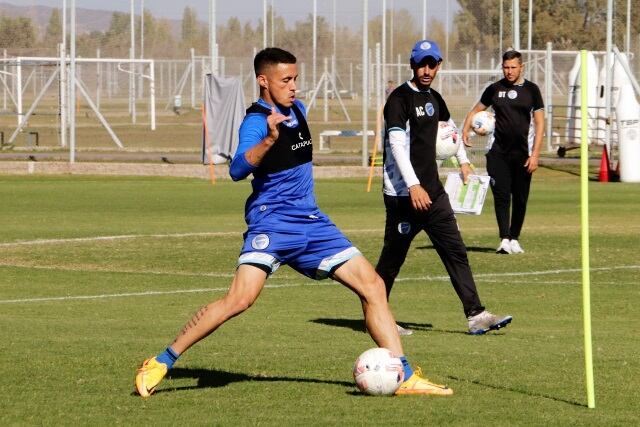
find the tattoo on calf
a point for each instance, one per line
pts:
(194, 320)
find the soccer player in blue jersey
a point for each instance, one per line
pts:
(285, 226)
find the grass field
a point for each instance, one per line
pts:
(98, 273)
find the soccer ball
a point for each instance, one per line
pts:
(447, 141)
(483, 122)
(378, 372)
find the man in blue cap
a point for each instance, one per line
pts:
(414, 197)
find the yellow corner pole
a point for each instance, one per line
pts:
(208, 147)
(376, 141)
(584, 226)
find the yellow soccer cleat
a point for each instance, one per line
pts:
(149, 376)
(418, 385)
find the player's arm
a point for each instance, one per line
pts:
(255, 143)
(538, 122)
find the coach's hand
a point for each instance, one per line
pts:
(419, 198)
(273, 120)
(466, 137)
(531, 164)
(466, 170)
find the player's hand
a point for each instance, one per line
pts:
(466, 138)
(420, 199)
(531, 164)
(273, 120)
(465, 171)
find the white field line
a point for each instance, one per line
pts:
(526, 273)
(292, 285)
(36, 242)
(135, 294)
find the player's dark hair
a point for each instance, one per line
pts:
(512, 54)
(271, 56)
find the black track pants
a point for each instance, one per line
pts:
(404, 223)
(510, 181)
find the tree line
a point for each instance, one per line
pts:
(568, 24)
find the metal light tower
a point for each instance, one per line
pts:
(365, 79)
(72, 86)
(213, 41)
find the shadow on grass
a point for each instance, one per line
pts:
(214, 378)
(515, 390)
(358, 324)
(469, 248)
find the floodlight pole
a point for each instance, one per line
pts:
(500, 31)
(584, 220)
(315, 41)
(446, 32)
(264, 24)
(530, 25)
(365, 80)
(333, 71)
(382, 75)
(63, 94)
(273, 28)
(140, 78)
(132, 77)
(516, 24)
(627, 41)
(424, 19)
(64, 88)
(213, 43)
(72, 85)
(608, 77)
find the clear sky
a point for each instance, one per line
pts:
(348, 12)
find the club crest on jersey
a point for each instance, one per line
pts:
(427, 109)
(512, 94)
(404, 227)
(293, 122)
(261, 241)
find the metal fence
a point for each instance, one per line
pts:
(145, 96)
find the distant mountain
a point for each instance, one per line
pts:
(88, 20)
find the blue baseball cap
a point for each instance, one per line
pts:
(425, 48)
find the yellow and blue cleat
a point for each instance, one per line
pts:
(418, 385)
(149, 376)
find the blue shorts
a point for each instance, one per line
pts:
(310, 244)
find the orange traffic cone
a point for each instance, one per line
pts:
(603, 175)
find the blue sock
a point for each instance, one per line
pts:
(407, 368)
(168, 357)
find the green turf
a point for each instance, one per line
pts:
(68, 360)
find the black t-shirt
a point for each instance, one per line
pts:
(418, 113)
(514, 106)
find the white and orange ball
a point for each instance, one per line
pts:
(447, 142)
(483, 123)
(378, 372)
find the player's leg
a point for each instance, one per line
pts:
(245, 288)
(498, 170)
(442, 228)
(398, 234)
(358, 275)
(520, 186)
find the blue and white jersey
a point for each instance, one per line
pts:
(283, 182)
